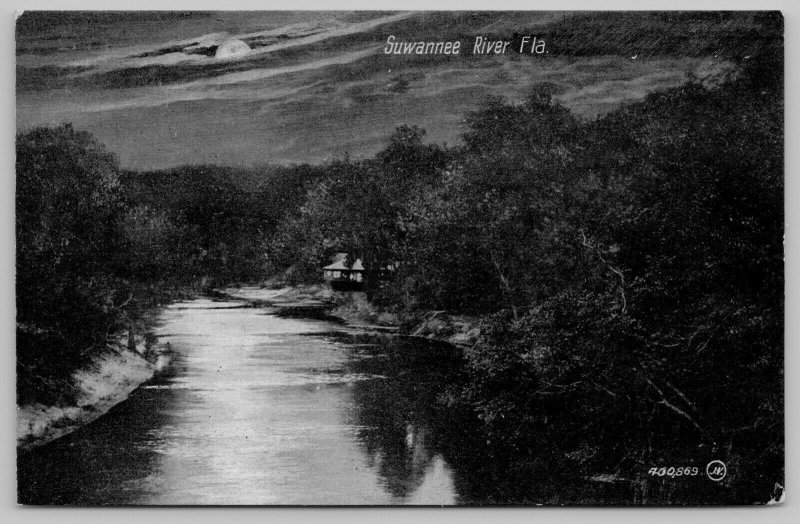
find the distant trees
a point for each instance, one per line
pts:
(358, 207)
(223, 213)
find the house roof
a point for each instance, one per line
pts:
(341, 265)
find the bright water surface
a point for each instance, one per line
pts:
(259, 409)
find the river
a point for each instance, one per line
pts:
(261, 409)
(257, 408)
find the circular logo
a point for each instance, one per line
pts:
(716, 470)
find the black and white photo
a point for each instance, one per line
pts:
(437, 258)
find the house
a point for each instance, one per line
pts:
(344, 277)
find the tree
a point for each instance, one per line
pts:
(68, 202)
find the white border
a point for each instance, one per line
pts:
(10, 512)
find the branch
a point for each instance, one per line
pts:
(506, 285)
(621, 288)
(680, 394)
(124, 303)
(605, 390)
(682, 413)
(671, 406)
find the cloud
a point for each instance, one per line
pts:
(224, 87)
(202, 49)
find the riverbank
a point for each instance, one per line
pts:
(260, 408)
(115, 374)
(108, 380)
(355, 310)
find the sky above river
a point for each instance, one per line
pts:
(244, 88)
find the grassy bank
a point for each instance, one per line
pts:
(108, 379)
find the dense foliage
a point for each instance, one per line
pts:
(630, 270)
(359, 207)
(69, 204)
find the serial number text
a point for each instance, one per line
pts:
(672, 472)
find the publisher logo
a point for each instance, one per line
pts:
(716, 470)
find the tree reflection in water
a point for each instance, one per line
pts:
(418, 449)
(404, 428)
(400, 424)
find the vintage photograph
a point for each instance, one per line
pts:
(378, 258)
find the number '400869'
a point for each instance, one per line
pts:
(672, 472)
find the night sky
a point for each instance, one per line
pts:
(244, 88)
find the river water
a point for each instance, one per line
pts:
(260, 409)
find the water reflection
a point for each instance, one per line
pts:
(259, 409)
(411, 437)
(393, 415)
